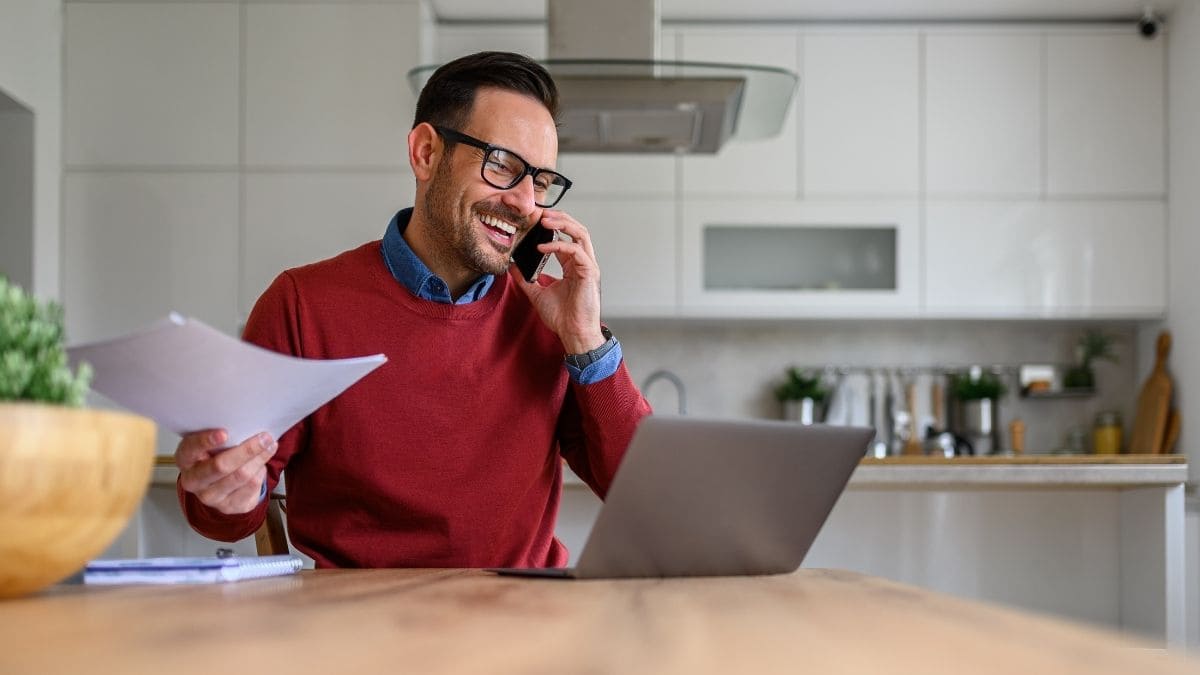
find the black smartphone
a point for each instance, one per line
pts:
(528, 259)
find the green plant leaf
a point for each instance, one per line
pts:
(33, 361)
(797, 386)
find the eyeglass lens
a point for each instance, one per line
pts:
(503, 170)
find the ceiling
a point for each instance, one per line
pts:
(825, 10)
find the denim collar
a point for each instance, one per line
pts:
(415, 275)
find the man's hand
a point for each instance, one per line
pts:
(229, 481)
(569, 306)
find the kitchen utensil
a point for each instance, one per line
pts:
(879, 415)
(938, 402)
(1172, 433)
(912, 445)
(1150, 423)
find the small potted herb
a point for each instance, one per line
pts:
(1094, 344)
(977, 394)
(72, 477)
(803, 397)
(978, 385)
(33, 362)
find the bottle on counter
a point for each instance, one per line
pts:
(1107, 433)
(1016, 436)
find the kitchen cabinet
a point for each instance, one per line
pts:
(324, 84)
(139, 245)
(706, 289)
(1105, 98)
(1086, 259)
(635, 244)
(860, 114)
(151, 86)
(983, 114)
(744, 169)
(294, 218)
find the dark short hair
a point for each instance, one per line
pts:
(448, 96)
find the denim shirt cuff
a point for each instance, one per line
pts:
(601, 369)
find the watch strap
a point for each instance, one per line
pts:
(587, 358)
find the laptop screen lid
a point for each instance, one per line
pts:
(705, 497)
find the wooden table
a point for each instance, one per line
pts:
(469, 621)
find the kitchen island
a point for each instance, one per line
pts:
(1091, 538)
(470, 621)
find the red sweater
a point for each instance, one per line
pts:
(448, 454)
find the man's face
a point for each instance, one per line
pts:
(474, 224)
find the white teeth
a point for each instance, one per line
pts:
(498, 224)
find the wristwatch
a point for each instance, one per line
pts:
(586, 359)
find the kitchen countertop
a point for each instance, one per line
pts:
(1115, 471)
(470, 621)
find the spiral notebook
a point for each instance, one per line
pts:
(189, 570)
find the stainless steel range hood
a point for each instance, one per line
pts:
(616, 96)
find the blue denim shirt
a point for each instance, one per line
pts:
(416, 276)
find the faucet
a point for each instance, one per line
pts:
(667, 375)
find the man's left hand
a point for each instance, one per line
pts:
(569, 306)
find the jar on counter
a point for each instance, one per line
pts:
(1107, 433)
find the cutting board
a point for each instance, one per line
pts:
(1154, 402)
(1172, 432)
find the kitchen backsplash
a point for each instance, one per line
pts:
(730, 370)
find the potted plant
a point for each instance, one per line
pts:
(1093, 344)
(69, 478)
(802, 397)
(977, 394)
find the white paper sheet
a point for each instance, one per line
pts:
(188, 376)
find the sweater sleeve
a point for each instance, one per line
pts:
(596, 425)
(273, 324)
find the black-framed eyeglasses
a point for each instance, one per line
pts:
(503, 169)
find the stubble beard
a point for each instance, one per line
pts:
(457, 239)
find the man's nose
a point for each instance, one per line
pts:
(521, 196)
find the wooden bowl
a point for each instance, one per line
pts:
(69, 481)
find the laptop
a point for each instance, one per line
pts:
(707, 497)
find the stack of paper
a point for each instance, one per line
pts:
(188, 376)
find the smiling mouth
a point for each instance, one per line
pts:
(499, 231)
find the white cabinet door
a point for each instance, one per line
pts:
(983, 121)
(296, 218)
(635, 243)
(1045, 259)
(139, 245)
(325, 83)
(701, 301)
(1105, 120)
(860, 120)
(762, 168)
(150, 84)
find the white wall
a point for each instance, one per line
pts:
(1183, 116)
(31, 72)
(729, 368)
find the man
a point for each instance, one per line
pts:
(448, 454)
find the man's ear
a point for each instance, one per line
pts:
(425, 149)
